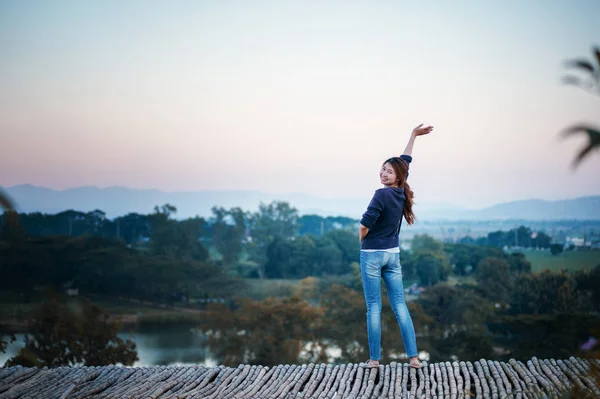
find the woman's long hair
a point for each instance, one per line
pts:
(400, 167)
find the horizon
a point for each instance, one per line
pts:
(289, 193)
(297, 98)
(120, 201)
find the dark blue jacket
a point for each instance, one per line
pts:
(383, 217)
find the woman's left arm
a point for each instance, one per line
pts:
(362, 232)
(418, 131)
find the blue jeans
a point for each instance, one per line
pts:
(373, 266)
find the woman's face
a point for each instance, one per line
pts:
(388, 176)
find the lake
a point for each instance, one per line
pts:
(167, 345)
(173, 345)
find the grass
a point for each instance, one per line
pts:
(260, 289)
(569, 260)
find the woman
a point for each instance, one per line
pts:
(380, 251)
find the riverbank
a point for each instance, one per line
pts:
(129, 314)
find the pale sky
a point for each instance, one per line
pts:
(297, 96)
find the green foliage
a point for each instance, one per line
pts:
(5, 338)
(130, 228)
(276, 220)
(465, 258)
(549, 293)
(302, 262)
(431, 268)
(6, 203)
(304, 256)
(271, 332)
(176, 239)
(329, 258)
(10, 228)
(543, 335)
(589, 281)
(522, 237)
(228, 228)
(455, 308)
(344, 324)
(316, 225)
(494, 280)
(260, 289)
(427, 260)
(348, 243)
(591, 84)
(68, 333)
(518, 263)
(97, 265)
(556, 249)
(466, 345)
(426, 243)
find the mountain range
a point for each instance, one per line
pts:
(117, 201)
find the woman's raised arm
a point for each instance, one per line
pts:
(418, 131)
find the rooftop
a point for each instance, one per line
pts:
(484, 378)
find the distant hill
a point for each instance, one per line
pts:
(116, 201)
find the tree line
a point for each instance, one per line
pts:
(498, 316)
(497, 303)
(272, 242)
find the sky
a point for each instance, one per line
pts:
(297, 96)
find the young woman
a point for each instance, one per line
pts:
(380, 251)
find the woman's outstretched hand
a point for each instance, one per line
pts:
(420, 130)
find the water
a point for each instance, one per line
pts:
(171, 345)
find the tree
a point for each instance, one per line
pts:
(496, 239)
(592, 85)
(176, 239)
(7, 205)
(460, 258)
(73, 333)
(309, 290)
(428, 260)
(589, 281)
(455, 307)
(543, 335)
(329, 259)
(518, 263)
(103, 266)
(228, 228)
(276, 220)
(11, 229)
(431, 268)
(302, 262)
(457, 322)
(556, 249)
(268, 333)
(311, 224)
(348, 243)
(6, 202)
(465, 258)
(132, 227)
(424, 242)
(549, 292)
(5, 338)
(541, 240)
(493, 277)
(279, 253)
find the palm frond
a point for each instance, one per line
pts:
(593, 136)
(5, 201)
(581, 64)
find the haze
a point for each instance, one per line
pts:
(287, 96)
